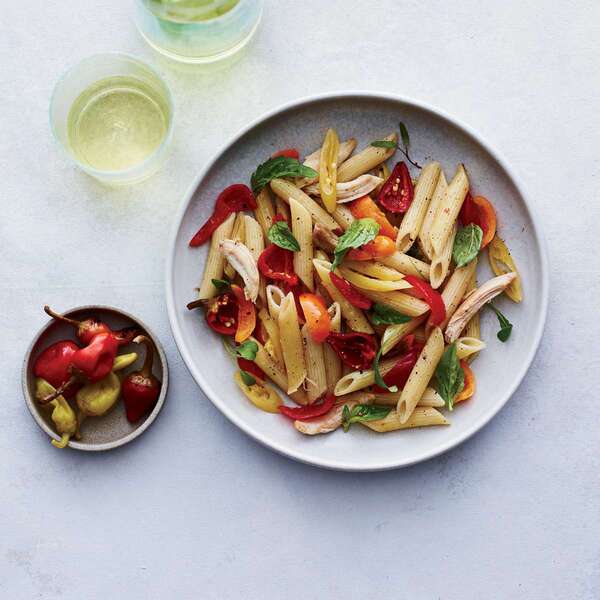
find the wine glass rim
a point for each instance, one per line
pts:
(200, 24)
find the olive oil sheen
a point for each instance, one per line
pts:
(117, 122)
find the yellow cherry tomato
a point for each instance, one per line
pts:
(502, 262)
(328, 170)
(262, 396)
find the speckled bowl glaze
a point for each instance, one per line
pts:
(112, 429)
(366, 116)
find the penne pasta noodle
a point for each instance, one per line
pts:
(333, 363)
(272, 329)
(368, 283)
(343, 217)
(393, 334)
(264, 211)
(429, 398)
(354, 316)
(291, 343)
(403, 303)
(359, 380)
(440, 264)
(420, 375)
(255, 242)
(414, 216)
(422, 416)
(438, 195)
(448, 209)
(302, 230)
(282, 208)
(466, 347)
(275, 297)
(365, 160)
(215, 262)
(314, 160)
(407, 264)
(473, 328)
(286, 190)
(374, 269)
(316, 378)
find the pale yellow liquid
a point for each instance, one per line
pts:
(190, 11)
(117, 123)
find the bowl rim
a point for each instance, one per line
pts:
(97, 447)
(340, 464)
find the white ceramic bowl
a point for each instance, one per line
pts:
(367, 116)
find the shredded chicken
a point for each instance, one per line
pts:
(333, 419)
(324, 238)
(349, 190)
(240, 258)
(473, 301)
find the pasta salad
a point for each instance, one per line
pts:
(347, 292)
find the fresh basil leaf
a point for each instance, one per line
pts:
(404, 135)
(363, 412)
(378, 378)
(384, 315)
(384, 144)
(449, 376)
(505, 325)
(467, 244)
(221, 284)
(279, 233)
(362, 231)
(247, 350)
(247, 378)
(281, 166)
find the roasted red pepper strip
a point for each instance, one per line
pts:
(349, 292)
(288, 152)
(222, 314)
(317, 409)
(251, 367)
(357, 350)
(235, 198)
(423, 290)
(398, 375)
(278, 264)
(96, 360)
(397, 192)
(53, 364)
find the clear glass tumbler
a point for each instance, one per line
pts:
(198, 31)
(113, 116)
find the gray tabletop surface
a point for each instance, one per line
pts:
(194, 508)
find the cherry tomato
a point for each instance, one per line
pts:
(316, 315)
(288, 152)
(363, 208)
(246, 318)
(397, 192)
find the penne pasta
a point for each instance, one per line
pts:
(286, 190)
(282, 208)
(393, 334)
(272, 329)
(264, 211)
(420, 375)
(215, 262)
(407, 264)
(365, 160)
(275, 297)
(438, 195)
(414, 216)
(342, 216)
(403, 303)
(316, 378)
(422, 416)
(429, 398)
(333, 363)
(291, 343)
(454, 290)
(302, 230)
(374, 269)
(448, 209)
(359, 380)
(255, 242)
(440, 264)
(354, 316)
(466, 347)
(368, 283)
(473, 328)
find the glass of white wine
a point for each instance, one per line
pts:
(113, 115)
(198, 31)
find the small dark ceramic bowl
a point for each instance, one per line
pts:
(112, 429)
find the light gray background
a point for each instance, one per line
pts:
(194, 509)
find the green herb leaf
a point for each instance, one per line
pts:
(363, 412)
(467, 244)
(404, 135)
(378, 378)
(281, 166)
(384, 315)
(221, 284)
(360, 232)
(247, 378)
(384, 144)
(505, 325)
(449, 376)
(247, 350)
(279, 233)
